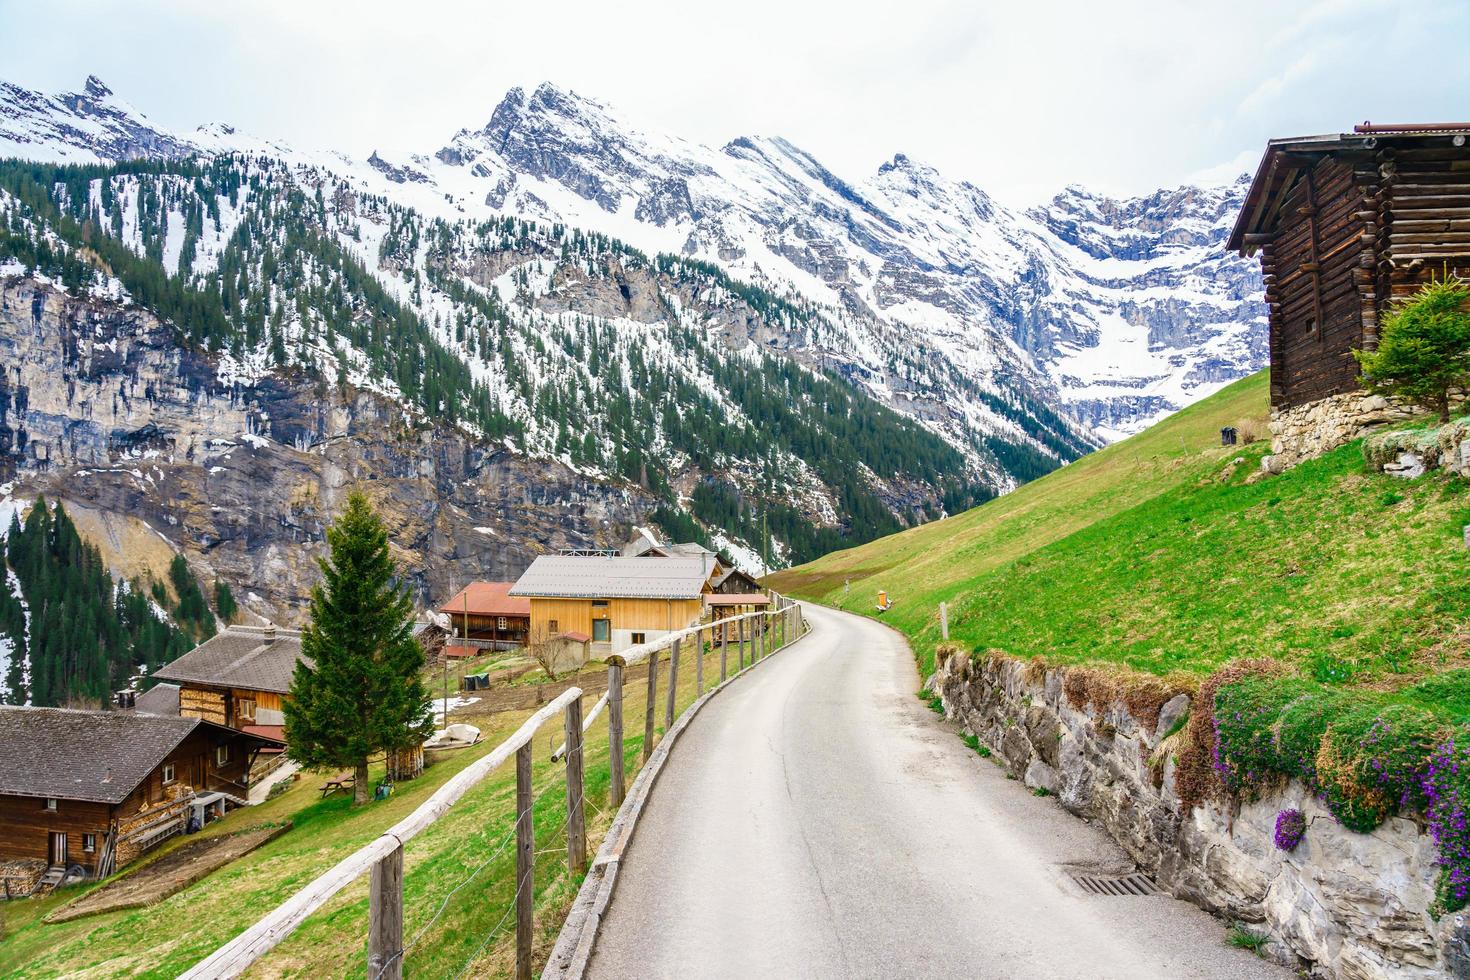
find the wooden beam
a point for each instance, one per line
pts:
(651, 706)
(724, 651)
(525, 862)
(576, 818)
(385, 917)
(672, 698)
(615, 733)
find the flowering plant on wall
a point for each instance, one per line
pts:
(1291, 827)
(1447, 787)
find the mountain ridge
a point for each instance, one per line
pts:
(1022, 299)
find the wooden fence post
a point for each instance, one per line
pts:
(525, 862)
(944, 621)
(615, 732)
(673, 696)
(699, 658)
(652, 705)
(385, 917)
(576, 818)
(740, 643)
(724, 651)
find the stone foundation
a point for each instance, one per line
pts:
(1307, 431)
(1346, 906)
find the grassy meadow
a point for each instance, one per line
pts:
(1161, 553)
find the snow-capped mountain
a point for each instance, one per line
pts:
(940, 300)
(1125, 310)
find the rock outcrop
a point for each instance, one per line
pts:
(100, 406)
(1345, 905)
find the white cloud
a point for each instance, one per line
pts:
(1020, 98)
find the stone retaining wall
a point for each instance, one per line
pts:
(1306, 431)
(1347, 906)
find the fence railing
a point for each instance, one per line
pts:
(767, 630)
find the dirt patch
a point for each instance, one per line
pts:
(171, 873)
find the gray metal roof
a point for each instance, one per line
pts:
(620, 578)
(97, 756)
(160, 699)
(241, 656)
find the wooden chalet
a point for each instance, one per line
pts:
(238, 678)
(617, 601)
(484, 616)
(1346, 223)
(735, 593)
(95, 789)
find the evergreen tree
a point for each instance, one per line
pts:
(1424, 347)
(224, 601)
(361, 693)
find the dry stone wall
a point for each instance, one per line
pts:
(1343, 905)
(1306, 431)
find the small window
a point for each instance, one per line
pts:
(245, 708)
(168, 773)
(1311, 326)
(500, 623)
(553, 626)
(638, 638)
(222, 754)
(89, 843)
(599, 604)
(50, 804)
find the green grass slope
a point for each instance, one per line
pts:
(1160, 554)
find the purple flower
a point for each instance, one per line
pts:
(1448, 793)
(1291, 827)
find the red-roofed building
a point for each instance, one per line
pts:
(483, 616)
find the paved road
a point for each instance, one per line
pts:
(817, 820)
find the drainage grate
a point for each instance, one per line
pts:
(1134, 884)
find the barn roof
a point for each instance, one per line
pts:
(95, 756)
(160, 699)
(1286, 159)
(487, 599)
(577, 577)
(251, 657)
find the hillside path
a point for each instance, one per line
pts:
(818, 820)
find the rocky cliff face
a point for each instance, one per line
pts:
(1342, 905)
(100, 406)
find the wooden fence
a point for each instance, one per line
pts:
(769, 630)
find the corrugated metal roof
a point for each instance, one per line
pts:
(615, 578)
(241, 656)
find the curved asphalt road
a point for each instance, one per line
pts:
(817, 820)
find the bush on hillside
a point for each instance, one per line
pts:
(1423, 347)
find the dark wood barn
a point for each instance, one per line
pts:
(96, 789)
(240, 677)
(1345, 224)
(483, 616)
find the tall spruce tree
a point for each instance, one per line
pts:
(362, 693)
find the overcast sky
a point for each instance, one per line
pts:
(1021, 98)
